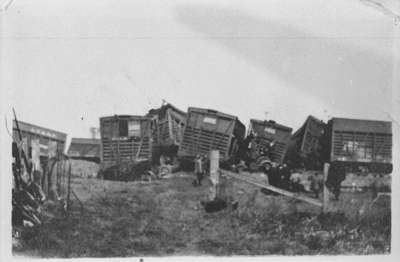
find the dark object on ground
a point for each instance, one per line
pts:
(273, 176)
(268, 192)
(214, 205)
(235, 205)
(332, 218)
(126, 171)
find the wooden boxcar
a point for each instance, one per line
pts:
(207, 130)
(85, 149)
(359, 143)
(266, 132)
(170, 122)
(125, 138)
(51, 142)
(304, 147)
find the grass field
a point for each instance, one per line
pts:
(165, 218)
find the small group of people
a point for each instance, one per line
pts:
(282, 177)
(279, 176)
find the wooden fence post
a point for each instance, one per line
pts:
(214, 172)
(69, 188)
(325, 197)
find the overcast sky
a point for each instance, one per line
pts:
(67, 63)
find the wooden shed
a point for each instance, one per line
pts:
(126, 138)
(207, 130)
(50, 142)
(266, 132)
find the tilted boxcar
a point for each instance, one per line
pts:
(170, 123)
(266, 132)
(304, 146)
(358, 143)
(207, 130)
(125, 138)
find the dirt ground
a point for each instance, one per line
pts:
(165, 217)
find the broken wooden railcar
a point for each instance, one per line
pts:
(359, 144)
(270, 135)
(126, 140)
(207, 130)
(84, 149)
(170, 123)
(304, 148)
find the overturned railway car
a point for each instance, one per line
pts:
(267, 132)
(169, 123)
(360, 144)
(207, 130)
(304, 148)
(125, 139)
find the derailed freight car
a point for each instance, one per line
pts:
(207, 130)
(304, 150)
(170, 123)
(359, 144)
(126, 142)
(268, 142)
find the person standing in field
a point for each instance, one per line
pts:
(316, 183)
(199, 169)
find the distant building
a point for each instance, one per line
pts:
(85, 149)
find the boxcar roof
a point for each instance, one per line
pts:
(211, 111)
(309, 118)
(124, 117)
(269, 123)
(43, 131)
(361, 125)
(163, 108)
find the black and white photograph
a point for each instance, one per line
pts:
(199, 129)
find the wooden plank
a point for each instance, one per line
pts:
(275, 189)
